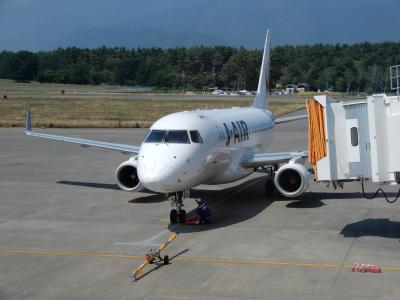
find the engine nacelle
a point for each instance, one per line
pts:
(291, 180)
(126, 176)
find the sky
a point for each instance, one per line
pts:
(47, 24)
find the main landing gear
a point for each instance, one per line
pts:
(177, 215)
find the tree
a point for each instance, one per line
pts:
(78, 73)
(5, 63)
(346, 68)
(22, 66)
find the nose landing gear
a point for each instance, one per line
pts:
(177, 215)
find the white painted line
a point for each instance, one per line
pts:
(148, 242)
(136, 244)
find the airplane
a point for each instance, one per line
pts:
(186, 149)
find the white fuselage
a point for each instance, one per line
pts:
(229, 136)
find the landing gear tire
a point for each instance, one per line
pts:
(166, 260)
(173, 216)
(177, 215)
(270, 189)
(182, 216)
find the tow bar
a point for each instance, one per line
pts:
(153, 256)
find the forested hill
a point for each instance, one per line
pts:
(358, 67)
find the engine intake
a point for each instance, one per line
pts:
(127, 178)
(291, 179)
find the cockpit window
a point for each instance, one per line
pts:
(177, 136)
(195, 136)
(155, 136)
(168, 136)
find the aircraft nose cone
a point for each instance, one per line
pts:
(157, 177)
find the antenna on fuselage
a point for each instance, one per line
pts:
(261, 100)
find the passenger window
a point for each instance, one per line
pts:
(354, 136)
(195, 137)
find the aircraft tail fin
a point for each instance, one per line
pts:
(28, 122)
(261, 100)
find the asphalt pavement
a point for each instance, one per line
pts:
(67, 232)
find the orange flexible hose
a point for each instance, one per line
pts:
(316, 132)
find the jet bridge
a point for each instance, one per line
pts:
(357, 140)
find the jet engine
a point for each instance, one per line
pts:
(126, 176)
(291, 179)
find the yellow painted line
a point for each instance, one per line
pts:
(188, 259)
(78, 254)
(391, 268)
(259, 262)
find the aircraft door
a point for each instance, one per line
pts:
(357, 140)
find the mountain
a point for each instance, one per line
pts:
(133, 38)
(47, 24)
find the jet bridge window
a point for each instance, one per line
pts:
(354, 136)
(195, 137)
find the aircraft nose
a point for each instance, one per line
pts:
(156, 176)
(166, 168)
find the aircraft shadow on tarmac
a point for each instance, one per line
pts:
(233, 205)
(229, 206)
(372, 227)
(106, 186)
(250, 202)
(148, 197)
(315, 199)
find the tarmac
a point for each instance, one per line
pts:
(67, 232)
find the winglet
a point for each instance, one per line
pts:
(28, 124)
(263, 86)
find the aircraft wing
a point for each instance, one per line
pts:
(126, 149)
(267, 159)
(290, 119)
